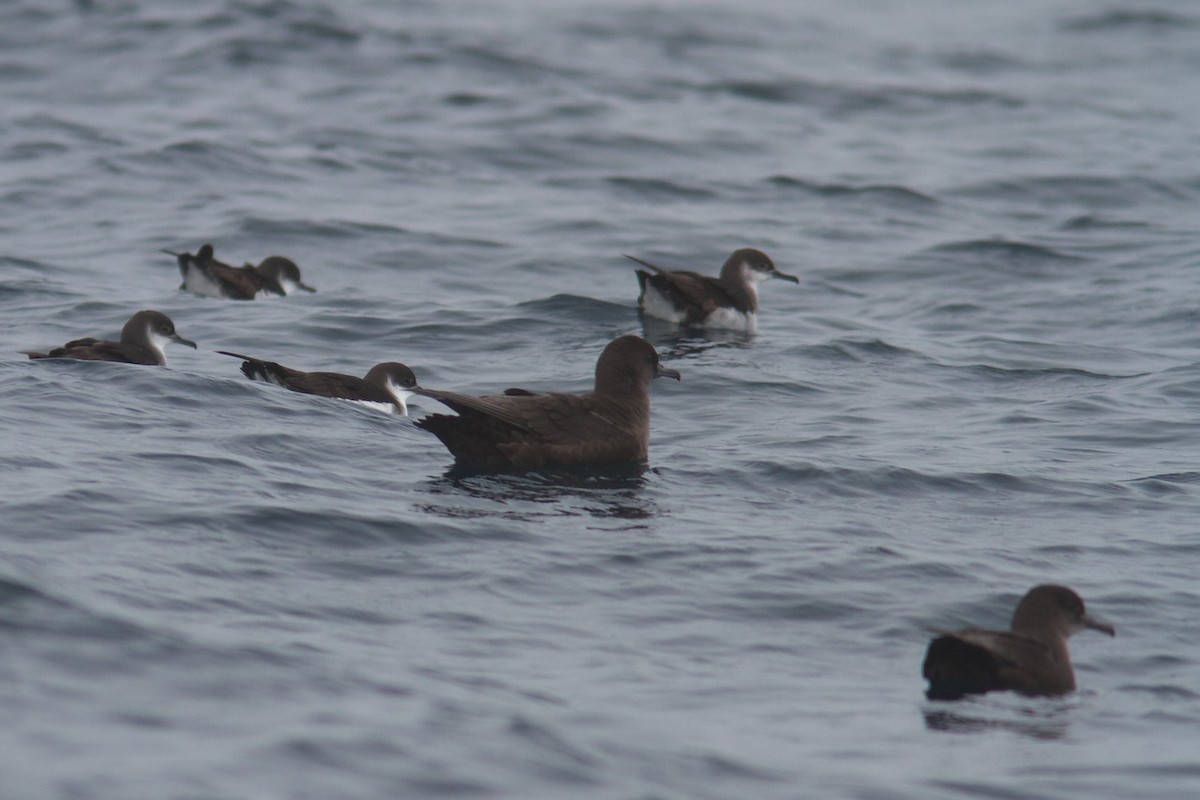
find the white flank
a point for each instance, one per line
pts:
(386, 408)
(732, 320)
(197, 282)
(660, 307)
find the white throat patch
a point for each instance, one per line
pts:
(157, 342)
(754, 277)
(400, 394)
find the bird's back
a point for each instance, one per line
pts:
(524, 429)
(977, 661)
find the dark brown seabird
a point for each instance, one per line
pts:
(689, 298)
(523, 429)
(388, 385)
(142, 341)
(1030, 659)
(204, 275)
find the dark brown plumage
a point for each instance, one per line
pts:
(142, 339)
(389, 383)
(729, 300)
(203, 274)
(609, 425)
(1031, 659)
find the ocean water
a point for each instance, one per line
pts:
(988, 378)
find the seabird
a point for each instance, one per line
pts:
(689, 298)
(524, 429)
(204, 275)
(387, 386)
(142, 341)
(1030, 659)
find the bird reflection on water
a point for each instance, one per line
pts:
(682, 343)
(608, 493)
(1049, 723)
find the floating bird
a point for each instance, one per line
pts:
(142, 341)
(204, 275)
(1030, 659)
(386, 386)
(524, 429)
(695, 300)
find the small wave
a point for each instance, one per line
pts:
(555, 745)
(576, 309)
(889, 194)
(193, 156)
(9, 263)
(337, 529)
(837, 99)
(1009, 374)
(1090, 191)
(13, 590)
(255, 228)
(11, 72)
(72, 130)
(955, 309)
(895, 481)
(26, 609)
(512, 65)
(1154, 20)
(469, 99)
(1092, 222)
(979, 62)
(722, 767)
(628, 144)
(659, 27)
(768, 605)
(659, 189)
(858, 351)
(1174, 477)
(253, 34)
(1024, 259)
(197, 464)
(32, 151)
(1168, 692)
(1004, 248)
(1167, 484)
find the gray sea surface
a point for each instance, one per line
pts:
(988, 378)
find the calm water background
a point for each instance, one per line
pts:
(988, 378)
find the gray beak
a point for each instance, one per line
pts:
(663, 372)
(1098, 625)
(785, 277)
(177, 339)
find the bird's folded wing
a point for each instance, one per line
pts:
(554, 418)
(243, 282)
